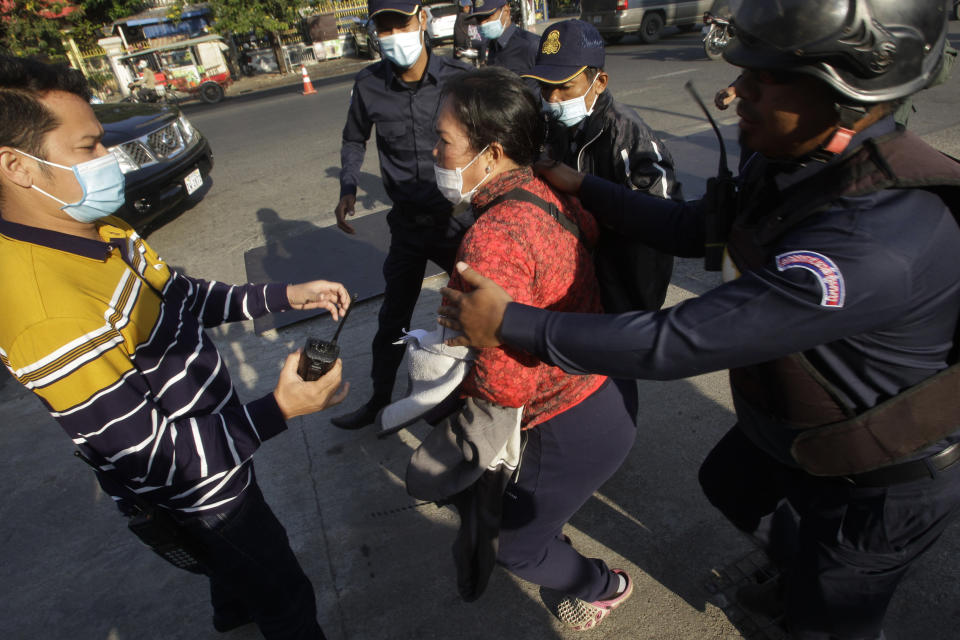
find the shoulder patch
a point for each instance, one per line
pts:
(823, 268)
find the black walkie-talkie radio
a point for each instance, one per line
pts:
(721, 197)
(319, 355)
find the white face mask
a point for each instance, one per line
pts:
(450, 181)
(572, 111)
(402, 49)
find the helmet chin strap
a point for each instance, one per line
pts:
(849, 115)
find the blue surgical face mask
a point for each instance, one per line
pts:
(493, 29)
(574, 110)
(102, 182)
(403, 48)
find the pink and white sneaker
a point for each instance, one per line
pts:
(581, 615)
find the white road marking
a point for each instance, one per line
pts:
(672, 73)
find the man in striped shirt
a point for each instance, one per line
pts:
(112, 341)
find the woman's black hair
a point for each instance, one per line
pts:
(494, 105)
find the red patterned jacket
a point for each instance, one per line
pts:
(539, 263)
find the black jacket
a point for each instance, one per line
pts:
(404, 115)
(615, 144)
(461, 32)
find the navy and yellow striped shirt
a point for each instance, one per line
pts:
(112, 341)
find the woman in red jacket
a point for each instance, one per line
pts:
(536, 244)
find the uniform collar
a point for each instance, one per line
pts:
(93, 249)
(505, 36)
(787, 174)
(430, 73)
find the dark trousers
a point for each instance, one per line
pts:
(253, 571)
(845, 548)
(410, 248)
(564, 461)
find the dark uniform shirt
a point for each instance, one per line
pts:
(515, 50)
(404, 115)
(894, 253)
(461, 31)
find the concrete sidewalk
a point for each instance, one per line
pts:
(379, 560)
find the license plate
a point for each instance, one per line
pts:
(193, 181)
(597, 19)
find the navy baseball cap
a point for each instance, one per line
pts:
(566, 49)
(406, 7)
(483, 8)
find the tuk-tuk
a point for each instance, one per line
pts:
(189, 67)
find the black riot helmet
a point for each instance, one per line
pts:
(868, 50)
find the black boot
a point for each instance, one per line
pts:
(763, 598)
(228, 621)
(363, 416)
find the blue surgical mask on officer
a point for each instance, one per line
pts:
(102, 182)
(450, 181)
(573, 111)
(493, 29)
(402, 48)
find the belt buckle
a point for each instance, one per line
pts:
(947, 458)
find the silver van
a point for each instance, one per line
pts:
(647, 18)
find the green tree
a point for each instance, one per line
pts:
(37, 27)
(263, 17)
(104, 12)
(32, 27)
(259, 16)
(98, 17)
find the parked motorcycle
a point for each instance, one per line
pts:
(470, 56)
(717, 30)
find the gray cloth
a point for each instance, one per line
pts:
(481, 436)
(468, 460)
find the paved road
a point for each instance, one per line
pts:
(380, 563)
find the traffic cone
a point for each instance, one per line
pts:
(307, 85)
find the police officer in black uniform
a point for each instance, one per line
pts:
(838, 319)
(399, 95)
(593, 133)
(508, 45)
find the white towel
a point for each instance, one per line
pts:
(435, 370)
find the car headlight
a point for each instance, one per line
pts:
(187, 129)
(127, 164)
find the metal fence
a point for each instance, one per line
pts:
(344, 10)
(94, 64)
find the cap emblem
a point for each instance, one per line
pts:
(478, 4)
(551, 44)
